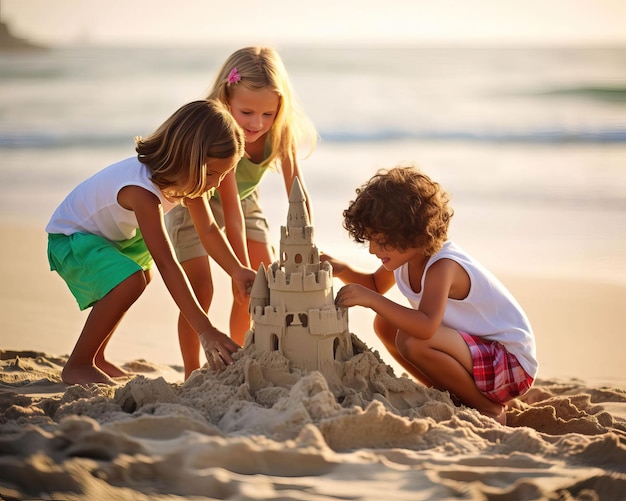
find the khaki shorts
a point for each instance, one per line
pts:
(183, 234)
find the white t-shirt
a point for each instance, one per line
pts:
(488, 311)
(92, 206)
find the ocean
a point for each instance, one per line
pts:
(531, 143)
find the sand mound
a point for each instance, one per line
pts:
(263, 430)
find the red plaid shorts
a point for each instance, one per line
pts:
(497, 373)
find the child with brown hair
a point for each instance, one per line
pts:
(464, 332)
(105, 235)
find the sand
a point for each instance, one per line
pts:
(264, 430)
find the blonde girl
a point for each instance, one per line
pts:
(105, 235)
(254, 85)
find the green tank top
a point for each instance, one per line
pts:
(249, 174)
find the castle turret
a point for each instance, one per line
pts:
(296, 244)
(260, 294)
(298, 215)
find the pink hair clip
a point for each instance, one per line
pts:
(234, 76)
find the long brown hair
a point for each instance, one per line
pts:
(177, 152)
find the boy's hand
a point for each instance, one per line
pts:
(354, 295)
(218, 348)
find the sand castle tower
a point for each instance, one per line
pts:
(292, 302)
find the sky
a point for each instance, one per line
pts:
(302, 22)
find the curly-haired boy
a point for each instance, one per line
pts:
(464, 332)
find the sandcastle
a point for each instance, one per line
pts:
(292, 303)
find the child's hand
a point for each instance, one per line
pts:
(242, 284)
(338, 266)
(218, 348)
(354, 295)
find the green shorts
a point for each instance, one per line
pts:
(185, 239)
(92, 265)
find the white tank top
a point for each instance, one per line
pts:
(92, 206)
(488, 311)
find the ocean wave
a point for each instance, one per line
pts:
(614, 94)
(607, 135)
(46, 140)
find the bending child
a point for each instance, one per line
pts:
(254, 84)
(464, 332)
(105, 234)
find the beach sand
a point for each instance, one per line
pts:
(263, 430)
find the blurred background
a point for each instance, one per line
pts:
(518, 110)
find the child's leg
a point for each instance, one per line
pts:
(104, 317)
(387, 333)
(258, 243)
(104, 365)
(109, 368)
(445, 359)
(198, 271)
(239, 321)
(258, 252)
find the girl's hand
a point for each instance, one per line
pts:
(242, 283)
(355, 295)
(218, 348)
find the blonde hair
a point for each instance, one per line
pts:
(177, 152)
(262, 68)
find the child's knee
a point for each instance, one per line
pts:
(410, 347)
(402, 343)
(384, 329)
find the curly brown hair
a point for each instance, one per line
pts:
(403, 206)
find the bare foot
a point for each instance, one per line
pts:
(501, 417)
(84, 375)
(495, 411)
(111, 370)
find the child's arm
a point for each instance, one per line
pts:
(234, 221)
(380, 281)
(444, 279)
(149, 212)
(218, 247)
